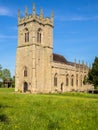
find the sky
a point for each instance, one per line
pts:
(75, 34)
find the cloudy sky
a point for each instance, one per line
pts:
(75, 28)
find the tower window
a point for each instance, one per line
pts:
(25, 72)
(39, 36)
(27, 37)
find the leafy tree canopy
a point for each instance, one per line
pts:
(5, 78)
(0, 71)
(6, 74)
(93, 73)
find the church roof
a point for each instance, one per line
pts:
(59, 58)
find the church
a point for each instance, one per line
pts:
(38, 69)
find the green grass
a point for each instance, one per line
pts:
(68, 111)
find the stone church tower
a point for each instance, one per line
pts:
(34, 52)
(38, 69)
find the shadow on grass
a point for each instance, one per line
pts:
(54, 125)
(5, 106)
(4, 118)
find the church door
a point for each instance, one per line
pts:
(61, 87)
(25, 86)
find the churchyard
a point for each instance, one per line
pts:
(68, 111)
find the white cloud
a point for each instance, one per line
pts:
(85, 18)
(5, 11)
(4, 37)
(77, 18)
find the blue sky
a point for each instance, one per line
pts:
(75, 28)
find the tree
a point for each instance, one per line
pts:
(6, 74)
(85, 80)
(6, 77)
(93, 73)
(0, 71)
(0, 76)
(13, 82)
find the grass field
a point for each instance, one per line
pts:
(69, 111)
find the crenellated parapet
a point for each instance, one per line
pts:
(34, 17)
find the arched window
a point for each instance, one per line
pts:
(72, 80)
(25, 72)
(26, 35)
(85, 80)
(81, 81)
(39, 36)
(67, 80)
(76, 79)
(55, 79)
